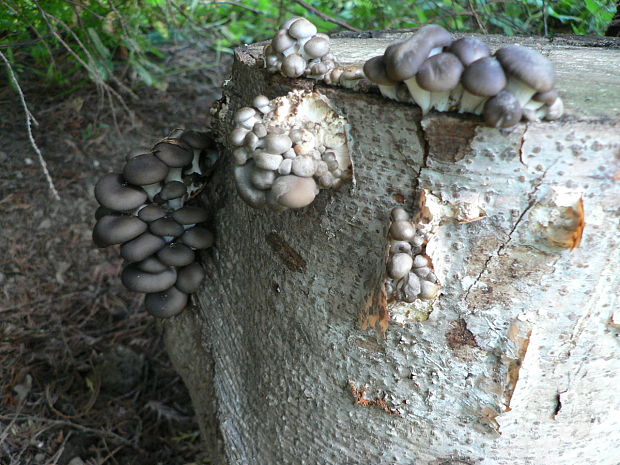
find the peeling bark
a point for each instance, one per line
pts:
(292, 354)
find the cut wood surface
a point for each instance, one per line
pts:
(517, 362)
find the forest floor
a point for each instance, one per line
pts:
(84, 377)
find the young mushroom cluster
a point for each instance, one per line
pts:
(143, 209)
(409, 270)
(288, 148)
(297, 50)
(433, 71)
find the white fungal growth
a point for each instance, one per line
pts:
(297, 136)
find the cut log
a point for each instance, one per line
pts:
(292, 354)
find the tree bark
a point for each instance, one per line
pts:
(291, 355)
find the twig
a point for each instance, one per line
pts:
(476, 17)
(240, 5)
(324, 17)
(29, 120)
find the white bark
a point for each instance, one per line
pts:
(516, 362)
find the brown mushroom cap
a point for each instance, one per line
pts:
(301, 29)
(113, 229)
(484, 77)
(145, 169)
(293, 66)
(112, 191)
(282, 41)
(176, 254)
(317, 47)
(404, 58)
(141, 247)
(174, 154)
(440, 73)
(189, 278)
(469, 49)
(528, 66)
(137, 280)
(502, 111)
(165, 304)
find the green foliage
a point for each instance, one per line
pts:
(58, 37)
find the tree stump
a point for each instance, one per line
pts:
(292, 356)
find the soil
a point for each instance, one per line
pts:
(84, 378)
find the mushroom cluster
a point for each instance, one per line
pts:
(433, 71)
(288, 148)
(143, 209)
(409, 270)
(297, 50)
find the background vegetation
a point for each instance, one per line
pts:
(55, 38)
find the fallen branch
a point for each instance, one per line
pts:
(29, 120)
(324, 17)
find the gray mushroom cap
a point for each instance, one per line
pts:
(282, 41)
(374, 69)
(166, 227)
(190, 215)
(103, 211)
(198, 238)
(197, 139)
(151, 212)
(294, 192)
(548, 97)
(145, 169)
(502, 111)
(317, 47)
(141, 247)
(440, 73)
(189, 278)
(136, 280)
(403, 59)
(246, 190)
(173, 190)
(151, 265)
(469, 49)
(484, 77)
(174, 153)
(111, 191)
(116, 229)
(176, 254)
(528, 66)
(165, 304)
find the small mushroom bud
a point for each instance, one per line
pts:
(241, 156)
(262, 179)
(502, 111)
(260, 130)
(428, 290)
(402, 230)
(302, 28)
(285, 167)
(282, 41)
(422, 271)
(399, 214)
(165, 304)
(251, 141)
(261, 102)
(399, 265)
(267, 161)
(317, 47)
(412, 288)
(237, 136)
(419, 261)
(294, 192)
(277, 143)
(303, 167)
(401, 247)
(293, 66)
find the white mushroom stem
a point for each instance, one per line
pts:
(522, 92)
(435, 51)
(189, 226)
(469, 102)
(422, 97)
(554, 111)
(174, 204)
(533, 105)
(440, 100)
(152, 190)
(195, 168)
(175, 174)
(480, 108)
(388, 91)
(455, 96)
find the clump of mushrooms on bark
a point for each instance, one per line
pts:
(512, 84)
(288, 148)
(143, 209)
